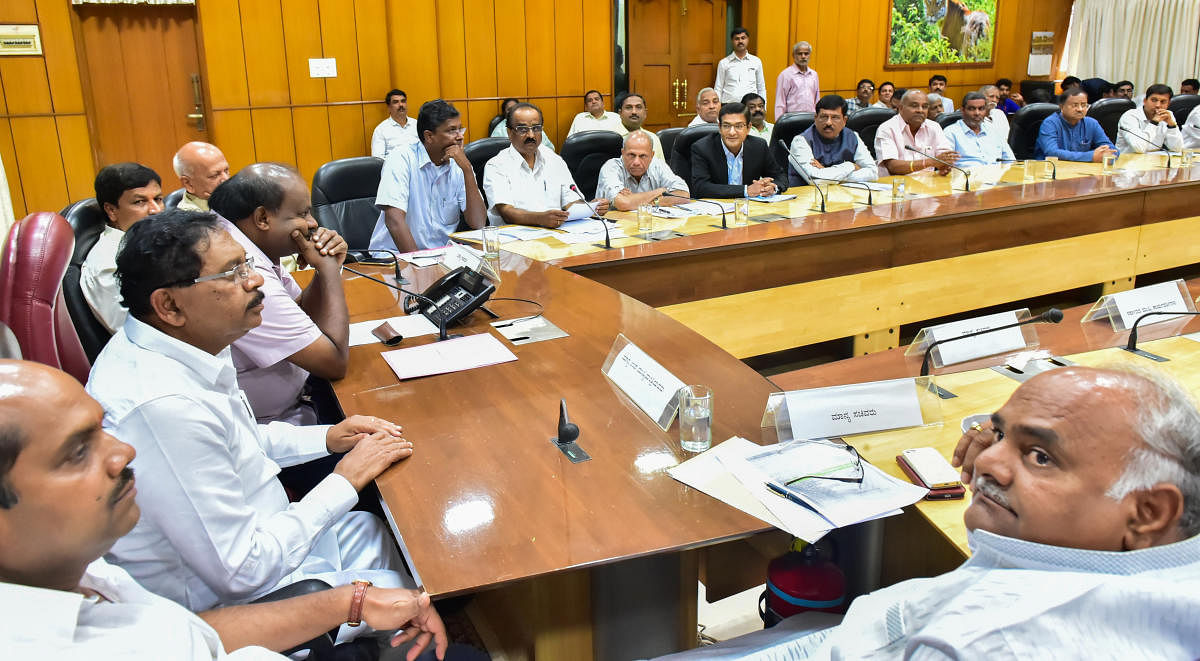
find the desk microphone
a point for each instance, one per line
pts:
(1053, 167)
(696, 199)
(363, 255)
(1163, 146)
(807, 179)
(1131, 345)
(1051, 316)
(843, 182)
(442, 334)
(966, 175)
(607, 241)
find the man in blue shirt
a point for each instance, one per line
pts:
(1071, 135)
(976, 141)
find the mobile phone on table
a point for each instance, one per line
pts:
(928, 468)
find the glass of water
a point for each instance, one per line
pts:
(1030, 171)
(1107, 162)
(741, 212)
(491, 241)
(645, 219)
(695, 418)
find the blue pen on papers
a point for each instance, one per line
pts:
(784, 493)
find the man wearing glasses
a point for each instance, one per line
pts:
(1071, 135)
(426, 187)
(528, 185)
(216, 525)
(734, 163)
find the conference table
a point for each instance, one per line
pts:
(488, 504)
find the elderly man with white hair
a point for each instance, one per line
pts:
(1083, 529)
(798, 87)
(637, 178)
(201, 167)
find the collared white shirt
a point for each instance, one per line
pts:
(508, 179)
(862, 169)
(696, 121)
(98, 279)
(895, 133)
(981, 148)
(765, 133)
(1191, 129)
(389, 135)
(272, 383)
(614, 177)
(501, 131)
(431, 197)
(586, 121)
(737, 77)
(999, 122)
(733, 164)
(216, 525)
(130, 622)
(190, 202)
(796, 91)
(1147, 136)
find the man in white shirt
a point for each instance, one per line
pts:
(638, 178)
(201, 167)
(739, 73)
(937, 85)
(216, 526)
(126, 193)
(632, 109)
(973, 139)
(427, 186)
(911, 128)
(594, 117)
(996, 118)
(828, 150)
(1083, 529)
(708, 104)
(1191, 129)
(1151, 127)
(67, 492)
(798, 87)
(756, 106)
(397, 129)
(527, 184)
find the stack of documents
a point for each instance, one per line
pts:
(586, 230)
(707, 208)
(455, 355)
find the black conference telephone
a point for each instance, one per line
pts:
(453, 297)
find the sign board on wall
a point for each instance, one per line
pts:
(20, 40)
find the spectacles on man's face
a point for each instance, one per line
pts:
(740, 126)
(239, 274)
(850, 471)
(521, 129)
(459, 132)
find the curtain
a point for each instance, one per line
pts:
(1143, 41)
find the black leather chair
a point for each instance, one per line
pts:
(1095, 88)
(681, 150)
(1108, 112)
(585, 153)
(666, 138)
(479, 152)
(1028, 87)
(172, 199)
(495, 121)
(788, 127)
(865, 122)
(1025, 124)
(947, 119)
(87, 221)
(1182, 106)
(343, 198)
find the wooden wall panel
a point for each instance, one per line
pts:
(234, 133)
(568, 54)
(25, 78)
(302, 36)
(311, 134)
(9, 155)
(224, 59)
(371, 34)
(539, 49)
(511, 77)
(597, 30)
(413, 50)
(265, 51)
(339, 40)
(35, 141)
(451, 51)
(19, 11)
(76, 146)
(274, 137)
(58, 45)
(348, 131)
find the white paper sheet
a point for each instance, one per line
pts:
(670, 212)
(779, 197)
(706, 208)
(412, 325)
(579, 211)
(853, 409)
(455, 355)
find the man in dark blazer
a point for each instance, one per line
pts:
(734, 163)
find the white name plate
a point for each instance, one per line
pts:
(854, 409)
(647, 383)
(1163, 297)
(987, 344)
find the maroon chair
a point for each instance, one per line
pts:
(36, 254)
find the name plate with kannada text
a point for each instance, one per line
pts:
(651, 387)
(1162, 297)
(853, 409)
(987, 344)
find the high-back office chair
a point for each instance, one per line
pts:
(948, 119)
(1025, 124)
(479, 152)
(681, 150)
(1108, 112)
(1182, 105)
(585, 153)
(1028, 87)
(788, 127)
(87, 222)
(865, 122)
(343, 198)
(35, 258)
(666, 138)
(1095, 88)
(172, 199)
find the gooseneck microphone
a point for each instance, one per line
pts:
(1051, 316)
(807, 179)
(1053, 167)
(1131, 345)
(870, 199)
(442, 334)
(966, 175)
(1163, 146)
(607, 240)
(696, 199)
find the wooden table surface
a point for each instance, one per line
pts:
(486, 498)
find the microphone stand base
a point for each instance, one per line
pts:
(572, 450)
(1146, 354)
(601, 245)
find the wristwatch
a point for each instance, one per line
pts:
(356, 602)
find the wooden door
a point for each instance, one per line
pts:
(143, 83)
(674, 46)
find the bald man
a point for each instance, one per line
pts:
(201, 167)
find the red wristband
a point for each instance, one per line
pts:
(356, 602)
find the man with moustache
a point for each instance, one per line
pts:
(1011, 101)
(1124, 90)
(797, 87)
(886, 90)
(973, 139)
(1151, 127)
(1071, 135)
(594, 117)
(828, 150)
(708, 104)
(201, 167)
(216, 525)
(910, 127)
(740, 72)
(757, 107)
(67, 493)
(396, 129)
(527, 184)
(937, 85)
(862, 96)
(632, 109)
(1083, 530)
(638, 178)
(733, 163)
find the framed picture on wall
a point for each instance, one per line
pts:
(947, 32)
